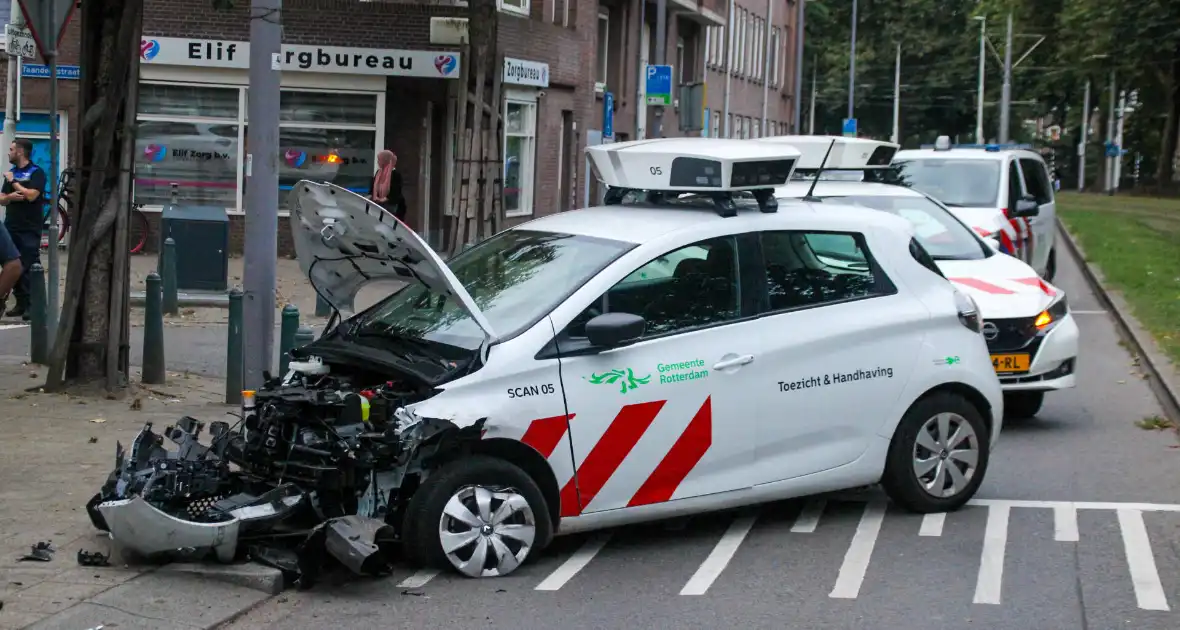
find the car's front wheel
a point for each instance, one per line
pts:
(1023, 405)
(938, 455)
(482, 516)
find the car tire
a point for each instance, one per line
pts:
(912, 466)
(1023, 405)
(463, 480)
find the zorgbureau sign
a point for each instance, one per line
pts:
(209, 53)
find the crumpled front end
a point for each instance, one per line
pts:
(318, 467)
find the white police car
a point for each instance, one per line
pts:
(1026, 321)
(1001, 191)
(691, 351)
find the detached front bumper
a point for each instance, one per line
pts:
(141, 528)
(1054, 362)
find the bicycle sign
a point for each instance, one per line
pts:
(19, 41)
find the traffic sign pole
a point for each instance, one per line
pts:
(661, 44)
(47, 21)
(15, 19)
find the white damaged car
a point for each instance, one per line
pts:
(612, 365)
(1030, 333)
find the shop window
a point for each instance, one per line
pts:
(344, 157)
(201, 158)
(520, 7)
(324, 107)
(520, 130)
(188, 100)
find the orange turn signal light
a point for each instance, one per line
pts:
(1044, 319)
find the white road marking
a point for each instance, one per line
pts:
(856, 560)
(12, 326)
(1149, 593)
(1088, 312)
(1079, 505)
(1065, 523)
(991, 559)
(932, 524)
(722, 553)
(808, 518)
(419, 579)
(575, 563)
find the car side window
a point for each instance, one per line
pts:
(1037, 180)
(813, 268)
(689, 287)
(1015, 187)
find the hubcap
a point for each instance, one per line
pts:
(946, 455)
(485, 532)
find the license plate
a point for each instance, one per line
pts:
(1010, 362)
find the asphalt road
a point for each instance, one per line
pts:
(1075, 527)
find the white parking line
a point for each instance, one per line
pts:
(991, 559)
(1065, 523)
(932, 524)
(808, 518)
(12, 326)
(575, 563)
(856, 560)
(1149, 592)
(419, 579)
(720, 556)
(1079, 505)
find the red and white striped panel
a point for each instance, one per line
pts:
(579, 488)
(1007, 286)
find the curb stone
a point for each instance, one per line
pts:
(1160, 370)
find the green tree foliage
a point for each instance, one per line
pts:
(1084, 40)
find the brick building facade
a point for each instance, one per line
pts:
(335, 115)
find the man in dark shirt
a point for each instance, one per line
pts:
(10, 268)
(22, 193)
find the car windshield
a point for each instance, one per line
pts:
(958, 183)
(943, 236)
(515, 278)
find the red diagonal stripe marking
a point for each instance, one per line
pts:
(544, 434)
(1036, 282)
(688, 450)
(981, 285)
(607, 455)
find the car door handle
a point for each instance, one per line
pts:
(728, 363)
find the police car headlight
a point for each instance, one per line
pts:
(1056, 312)
(968, 311)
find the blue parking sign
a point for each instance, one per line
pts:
(659, 85)
(608, 115)
(850, 127)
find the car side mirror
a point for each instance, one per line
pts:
(1027, 208)
(614, 330)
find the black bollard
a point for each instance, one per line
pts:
(153, 333)
(233, 354)
(168, 274)
(38, 326)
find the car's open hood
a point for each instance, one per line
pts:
(1001, 285)
(345, 241)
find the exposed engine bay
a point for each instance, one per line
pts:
(321, 464)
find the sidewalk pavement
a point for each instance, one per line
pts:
(55, 452)
(291, 287)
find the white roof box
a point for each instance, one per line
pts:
(706, 165)
(848, 154)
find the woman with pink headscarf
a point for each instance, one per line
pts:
(387, 185)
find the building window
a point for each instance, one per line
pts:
(520, 131)
(680, 61)
(757, 129)
(716, 126)
(195, 137)
(603, 50)
(519, 7)
(188, 136)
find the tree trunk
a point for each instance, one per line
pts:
(1165, 169)
(110, 30)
